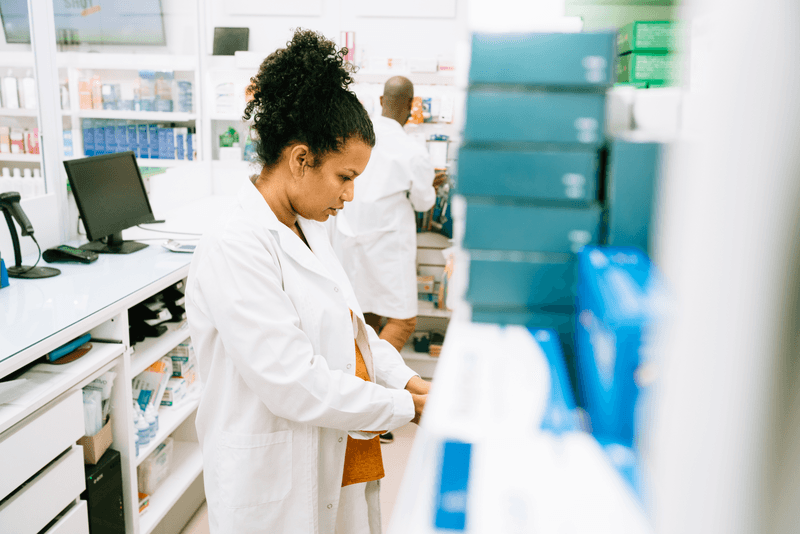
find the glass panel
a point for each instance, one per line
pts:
(20, 158)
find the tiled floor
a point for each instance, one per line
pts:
(395, 455)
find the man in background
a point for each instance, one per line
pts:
(376, 236)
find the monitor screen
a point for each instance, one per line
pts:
(91, 21)
(109, 192)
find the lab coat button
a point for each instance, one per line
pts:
(349, 366)
(336, 289)
(330, 506)
(340, 440)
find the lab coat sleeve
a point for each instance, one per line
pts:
(421, 193)
(390, 368)
(260, 331)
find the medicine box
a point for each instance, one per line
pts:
(655, 68)
(560, 414)
(543, 280)
(154, 469)
(615, 306)
(631, 185)
(174, 392)
(491, 226)
(569, 175)
(535, 117)
(650, 36)
(547, 59)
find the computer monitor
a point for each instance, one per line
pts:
(110, 195)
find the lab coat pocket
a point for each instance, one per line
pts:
(254, 469)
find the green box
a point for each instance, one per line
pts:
(651, 67)
(646, 36)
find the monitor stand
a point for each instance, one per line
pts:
(114, 245)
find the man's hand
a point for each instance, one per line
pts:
(419, 406)
(439, 179)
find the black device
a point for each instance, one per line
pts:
(65, 253)
(227, 41)
(103, 495)
(110, 195)
(9, 205)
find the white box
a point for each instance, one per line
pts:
(154, 469)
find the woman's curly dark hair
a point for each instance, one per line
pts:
(300, 94)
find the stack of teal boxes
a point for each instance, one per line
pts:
(529, 170)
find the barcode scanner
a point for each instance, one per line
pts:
(10, 206)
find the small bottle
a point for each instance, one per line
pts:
(150, 419)
(142, 430)
(16, 179)
(5, 181)
(39, 189)
(28, 186)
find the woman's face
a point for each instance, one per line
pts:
(323, 190)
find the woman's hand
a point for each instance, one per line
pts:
(418, 386)
(419, 406)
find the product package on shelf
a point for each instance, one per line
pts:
(152, 472)
(97, 407)
(148, 387)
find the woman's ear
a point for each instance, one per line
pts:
(299, 159)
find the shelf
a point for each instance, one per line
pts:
(170, 418)
(16, 59)
(427, 309)
(27, 158)
(187, 465)
(48, 381)
(231, 117)
(421, 362)
(151, 349)
(164, 62)
(417, 78)
(155, 116)
(18, 112)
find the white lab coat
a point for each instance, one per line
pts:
(376, 239)
(271, 326)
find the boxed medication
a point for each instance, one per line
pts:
(152, 472)
(174, 392)
(491, 226)
(634, 170)
(546, 59)
(535, 116)
(647, 36)
(655, 68)
(569, 175)
(521, 280)
(618, 302)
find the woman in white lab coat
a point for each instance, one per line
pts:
(295, 384)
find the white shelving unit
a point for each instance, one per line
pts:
(21, 158)
(146, 352)
(18, 112)
(169, 419)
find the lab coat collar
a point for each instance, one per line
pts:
(256, 206)
(386, 123)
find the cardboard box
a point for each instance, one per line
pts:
(649, 36)
(535, 116)
(543, 174)
(491, 226)
(634, 171)
(546, 59)
(95, 446)
(425, 284)
(542, 280)
(655, 68)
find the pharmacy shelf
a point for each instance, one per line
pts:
(18, 112)
(152, 348)
(162, 62)
(417, 78)
(154, 116)
(16, 59)
(425, 308)
(187, 465)
(46, 382)
(421, 362)
(24, 158)
(143, 162)
(170, 418)
(231, 117)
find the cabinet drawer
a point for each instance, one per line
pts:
(531, 284)
(75, 521)
(36, 504)
(33, 443)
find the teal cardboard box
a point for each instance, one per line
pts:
(537, 280)
(547, 59)
(544, 174)
(564, 230)
(631, 190)
(496, 116)
(646, 35)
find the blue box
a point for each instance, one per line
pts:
(535, 117)
(88, 142)
(451, 497)
(633, 174)
(548, 59)
(190, 146)
(614, 284)
(166, 143)
(534, 281)
(122, 138)
(99, 141)
(530, 228)
(144, 143)
(133, 142)
(545, 174)
(3, 274)
(560, 414)
(180, 146)
(153, 130)
(110, 133)
(68, 145)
